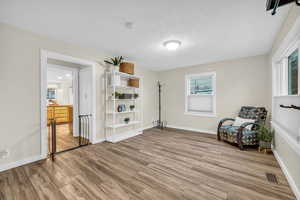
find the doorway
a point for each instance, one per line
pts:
(67, 103)
(62, 105)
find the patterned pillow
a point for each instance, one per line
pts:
(239, 121)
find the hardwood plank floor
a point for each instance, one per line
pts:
(162, 165)
(64, 137)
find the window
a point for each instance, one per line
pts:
(286, 73)
(201, 94)
(293, 73)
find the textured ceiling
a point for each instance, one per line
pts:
(209, 30)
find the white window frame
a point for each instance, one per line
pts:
(280, 71)
(214, 94)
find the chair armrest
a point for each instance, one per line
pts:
(221, 123)
(226, 119)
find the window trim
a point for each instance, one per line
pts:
(280, 72)
(214, 94)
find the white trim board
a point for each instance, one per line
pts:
(286, 136)
(192, 129)
(289, 178)
(123, 136)
(20, 162)
(99, 141)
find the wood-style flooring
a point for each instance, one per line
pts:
(64, 138)
(162, 165)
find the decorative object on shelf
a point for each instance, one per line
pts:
(121, 108)
(136, 95)
(117, 95)
(132, 107)
(126, 120)
(265, 135)
(134, 82)
(125, 96)
(116, 61)
(127, 67)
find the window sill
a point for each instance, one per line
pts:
(279, 96)
(201, 114)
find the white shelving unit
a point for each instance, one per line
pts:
(116, 128)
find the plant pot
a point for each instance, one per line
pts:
(117, 68)
(127, 67)
(265, 145)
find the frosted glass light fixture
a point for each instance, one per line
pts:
(172, 45)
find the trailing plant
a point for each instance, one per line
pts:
(114, 61)
(265, 133)
(116, 94)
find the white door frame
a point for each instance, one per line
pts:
(45, 54)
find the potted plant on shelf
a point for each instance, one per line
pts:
(117, 95)
(265, 136)
(132, 107)
(116, 61)
(136, 95)
(126, 120)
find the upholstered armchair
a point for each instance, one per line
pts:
(242, 135)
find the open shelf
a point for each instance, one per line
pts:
(122, 112)
(121, 99)
(124, 75)
(122, 124)
(123, 87)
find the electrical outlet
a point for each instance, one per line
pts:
(3, 154)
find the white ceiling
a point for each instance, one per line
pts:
(56, 75)
(209, 30)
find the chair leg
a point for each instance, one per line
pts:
(218, 135)
(241, 146)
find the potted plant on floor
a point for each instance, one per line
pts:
(265, 136)
(116, 61)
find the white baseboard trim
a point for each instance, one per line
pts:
(123, 136)
(289, 178)
(20, 163)
(147, 127)
(192, 129)
(99, 141)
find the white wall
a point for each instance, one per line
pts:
(20, 91)
(240, 82)
(288, 120)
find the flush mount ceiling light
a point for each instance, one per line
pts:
(172, 45)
